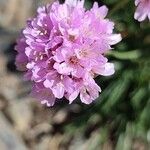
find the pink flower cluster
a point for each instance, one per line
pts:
(143, 10)
(62, 51)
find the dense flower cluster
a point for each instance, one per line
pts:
(143, 10)
(62, 51)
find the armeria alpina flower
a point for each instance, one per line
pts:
(62, 51)
(143, 10)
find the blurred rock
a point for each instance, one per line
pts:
(12, 87)
(39, 130)
(50, 143)
(60, 117)
(41, 113)
(3, 103)
(2, 65)
(14, 13)
(55, 142)
(139, 144)
(108, 146)
(6, 40)
(21, 115)
(9, 139)
(43, 144)
(9, 86)
(79, 143)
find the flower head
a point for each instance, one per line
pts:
(62, 51)
(143, 10)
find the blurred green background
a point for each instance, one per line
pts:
(118, 120)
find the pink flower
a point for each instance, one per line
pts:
(143, 10)
(63, 49)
